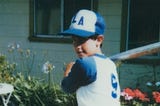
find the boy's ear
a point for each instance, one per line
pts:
(100, 38)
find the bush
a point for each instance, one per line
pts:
(29, 91)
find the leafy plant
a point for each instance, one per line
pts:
(30, 91)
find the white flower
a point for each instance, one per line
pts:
(149, 84)
(157, 83)
(47, 67)
(13, 46)
(126, 96)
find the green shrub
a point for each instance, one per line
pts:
(29, 91)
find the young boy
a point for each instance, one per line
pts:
(92, 76)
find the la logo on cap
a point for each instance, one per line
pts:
(84, 20)
(79, 22)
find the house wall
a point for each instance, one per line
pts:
(14, 28)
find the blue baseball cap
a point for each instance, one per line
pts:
(86, 23)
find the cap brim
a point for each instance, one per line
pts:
(77, 32)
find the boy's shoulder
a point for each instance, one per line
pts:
(90, 60)
(86, 61)
(92, 57)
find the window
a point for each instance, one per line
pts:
(140, 24)
(49, 17)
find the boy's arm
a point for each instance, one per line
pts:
(77, 74)
(70, 82)
(68, 68)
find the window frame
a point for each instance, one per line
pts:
(152, 60)
(48, 38)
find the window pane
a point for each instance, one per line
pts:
(47, 17)
(144, 22)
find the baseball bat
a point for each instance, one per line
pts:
(137, 52)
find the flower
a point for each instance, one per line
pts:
(157, 83)
(137, 98)
(47, 67)
(153, 84)
(149, 84)
(133, 97)
(13, 46)
(156, 96)
(140, 95)
(128, 94)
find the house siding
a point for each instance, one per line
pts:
(14, 28)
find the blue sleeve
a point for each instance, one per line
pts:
(82, 73)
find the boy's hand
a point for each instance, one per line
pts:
(68, 68)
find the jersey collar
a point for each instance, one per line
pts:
(100, 55)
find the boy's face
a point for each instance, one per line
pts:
(87, 46)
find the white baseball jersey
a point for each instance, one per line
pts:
(95, 81)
